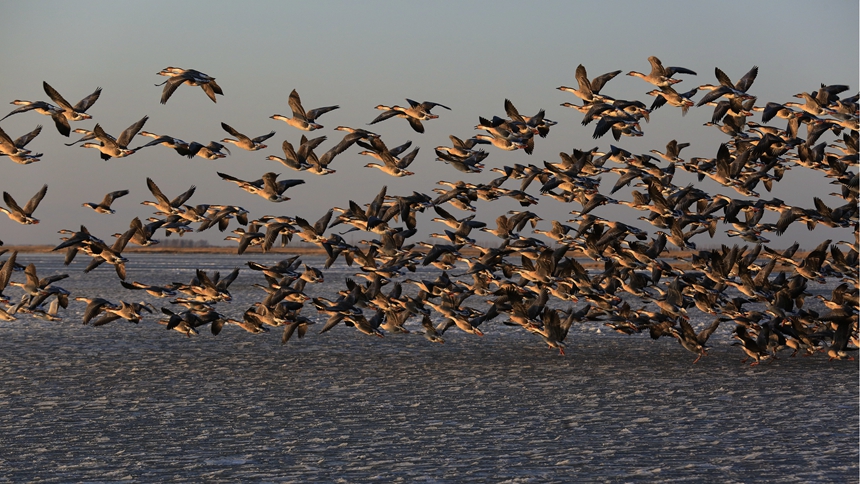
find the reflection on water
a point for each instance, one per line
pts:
(136, 402)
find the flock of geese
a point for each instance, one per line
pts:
(523, 279)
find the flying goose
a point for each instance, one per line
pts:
(414, 114)
(24, 215)
(15, 150)
(162, 203)
(661, 76)
(267, 187)
(61, 114)
(244, 142)
(76, 112)
(589, 90)
(111, 147)
(178, 76)
(104, 205)
(301, 119)
(390, 165)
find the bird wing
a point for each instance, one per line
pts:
(427, 105)
(512, 112)
(215, 87)
(390, 113)
(210, 91)
(416, 124)
(156, 192)
(656, 67)
(746, 81)
(110, 197)
(317, 112)
(706, 333)
(345, 143)
(6, 144)
(235, 133)
(283, 185)
(182, 198)
(130, 132)
(24, 139)
(598, 82)
(400, 149)
(723, 79)
(322, 223)
(260, 139)
(34, 202)
(56, 97)
(169, 86)
(88, 101)
(296, 106)
(407, 160)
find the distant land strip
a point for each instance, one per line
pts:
(678, 259)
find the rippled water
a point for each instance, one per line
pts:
(136, 402)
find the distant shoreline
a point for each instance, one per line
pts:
(215, 249)
(678, 259)
(224, 249)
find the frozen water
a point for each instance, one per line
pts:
(136, 402)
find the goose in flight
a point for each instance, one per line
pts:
(461, 149)
(111, 147)
(589, 90)
(212, 151)
(76, 112)
(415, 113)
(390, 165)
(102, 253)
(15, 150)
(178, 145)
(319, 164)
(24, 215)
(301, 119)
(669, 95)
(104, 205)
(693, 342)
(244, 142)
(178, 76)
(304, 158)
(162, 203)
(661, 76)
(61, 114)
(267, 187)
(430, 332)
(554, 330)
(537, 124)
(728, 89)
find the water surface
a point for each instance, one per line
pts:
(136, 402)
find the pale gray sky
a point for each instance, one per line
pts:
(469, 57)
